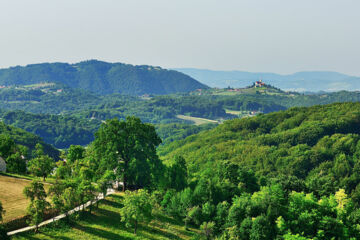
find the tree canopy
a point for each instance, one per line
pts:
(129, 147)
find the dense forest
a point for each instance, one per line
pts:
(102, 77)
(317, 144)
(293, 174)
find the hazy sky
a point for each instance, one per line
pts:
(281, 36)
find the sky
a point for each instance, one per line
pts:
(281, 36)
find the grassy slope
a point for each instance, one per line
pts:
(14, 202)
(12, 197)
(235, 139)
(105, 223)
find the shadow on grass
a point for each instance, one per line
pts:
(113, 201)
(30, 236)
(99, 232)
(145, 230)
(108, 214)
(166, 219)
(57, 237)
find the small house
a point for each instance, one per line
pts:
(2, 165)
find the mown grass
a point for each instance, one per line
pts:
(196, 120)
(12, 197)
(104, 223)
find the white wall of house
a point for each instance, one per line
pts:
(2, 165)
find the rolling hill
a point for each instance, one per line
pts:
(27, 139)
(301, 81)
(102, 77)
(319, 145)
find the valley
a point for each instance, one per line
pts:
(232, 163)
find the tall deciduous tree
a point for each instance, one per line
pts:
(38, 204)
(129, 147)
(42, 165)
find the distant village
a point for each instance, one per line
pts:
(46, 87)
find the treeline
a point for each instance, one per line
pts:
(64, 130)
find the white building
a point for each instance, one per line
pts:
(2, 165)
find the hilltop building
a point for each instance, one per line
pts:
(259, 83)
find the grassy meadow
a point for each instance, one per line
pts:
(12, 197)
(196, 120)
(105, 223)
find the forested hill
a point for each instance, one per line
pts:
(102, 77)
(319, 145)
(58, 130)
(27, 139)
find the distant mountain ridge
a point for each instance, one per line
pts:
(313, 81)
(102, 77)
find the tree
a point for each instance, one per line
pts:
(15, 163)
(2, 211)
(260, 229)
(130, 148)
(64, 196)
(7, 146)
(75, 152)
(42, 165)
(86, 188)
(3, 232)
(177, 174)
(137, 208)
(38, 204)
(208, 229)
(105, 182)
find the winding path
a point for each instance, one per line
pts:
(57, 218)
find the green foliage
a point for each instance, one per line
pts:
(58, 130)
(103, 77)
(313, 144)
(13, 154)
(42, 165)
(7, 146)
(15, 163)
(2, 211)
(274, 176)
(208, 229)
(260, 229)
(38, 204)
(130, 147)
(137, 208)
(3, 233)
(10, 135)
(75, 152)
(177, 174)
